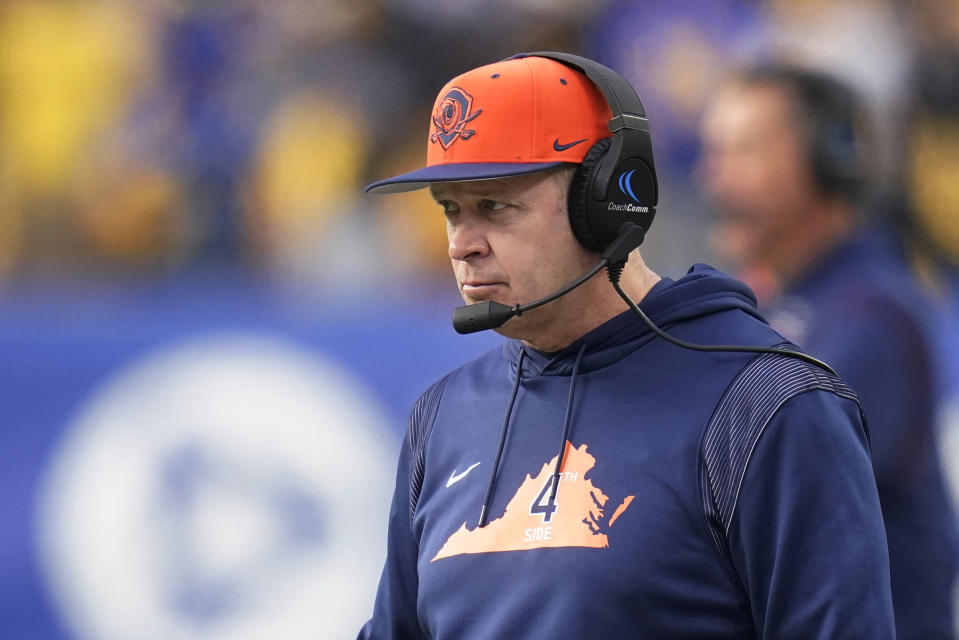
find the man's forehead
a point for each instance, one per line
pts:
(745, 109)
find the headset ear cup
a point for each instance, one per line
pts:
(579, 189)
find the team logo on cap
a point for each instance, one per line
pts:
(451, 116)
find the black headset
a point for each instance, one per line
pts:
(829, 118)
(616, 182)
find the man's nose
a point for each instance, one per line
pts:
(711, 171)
(467, 239)
(718, 171)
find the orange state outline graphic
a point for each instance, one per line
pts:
(579, 519)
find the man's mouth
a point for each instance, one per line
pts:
(480, 288)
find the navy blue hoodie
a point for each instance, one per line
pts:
(702, 495)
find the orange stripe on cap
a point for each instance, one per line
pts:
(522, 110)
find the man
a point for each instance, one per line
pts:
(590, 479)
(784, 162)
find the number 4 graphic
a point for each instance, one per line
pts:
(545, 502)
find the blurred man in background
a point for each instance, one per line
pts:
(784, 161)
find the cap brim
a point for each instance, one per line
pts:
(456, 173)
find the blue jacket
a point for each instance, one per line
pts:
(859, 309)
(702, 495)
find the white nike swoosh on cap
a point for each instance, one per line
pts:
(456, 477)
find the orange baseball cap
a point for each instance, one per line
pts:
(520, 115)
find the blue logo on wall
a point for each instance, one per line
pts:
(625, 187)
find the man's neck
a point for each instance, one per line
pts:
(805, 246)
(594, 304)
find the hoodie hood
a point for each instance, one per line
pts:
(702, 291)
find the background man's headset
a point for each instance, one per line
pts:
(612, 202)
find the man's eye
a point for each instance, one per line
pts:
(493, 205)
(448, 207)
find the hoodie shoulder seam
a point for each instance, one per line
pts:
(419, 427)
(760, 389)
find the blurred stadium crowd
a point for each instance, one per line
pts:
(163, 137)
(172, 140)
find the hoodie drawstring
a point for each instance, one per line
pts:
(502, 438)
(566, 424)
(505, 430)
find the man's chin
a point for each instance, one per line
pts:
(734, 245)
(512, 328)
(526, 326)
(476, 299)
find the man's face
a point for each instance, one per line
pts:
(755, 173)
(510, 241)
